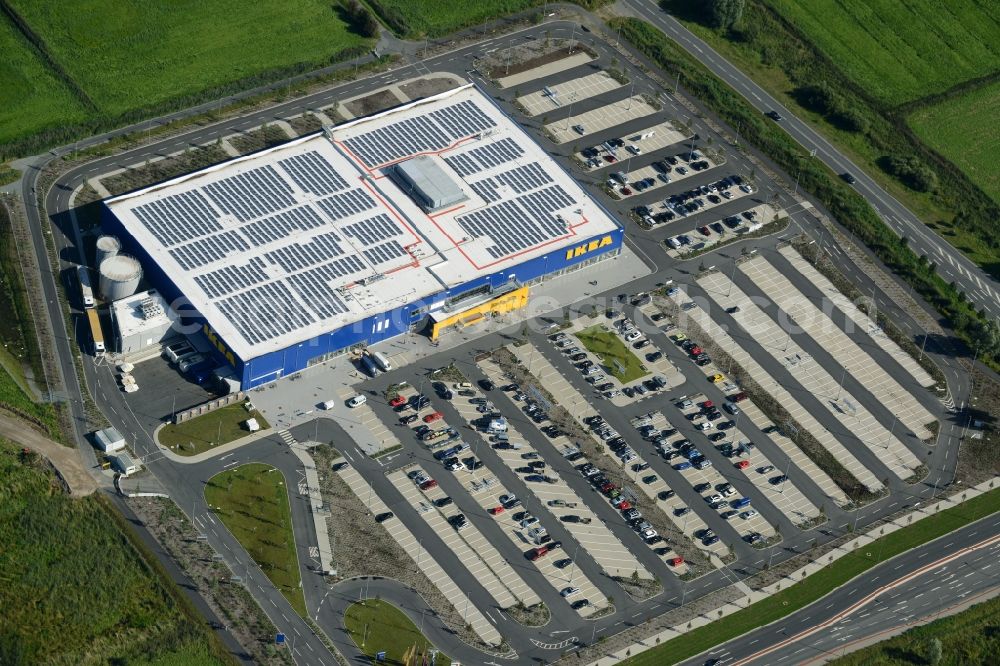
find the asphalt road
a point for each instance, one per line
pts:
(914, 586)
(185, 482)
(981, 288)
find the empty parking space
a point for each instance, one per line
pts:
(561, 95)
(482, 560)
(801, 416)
(845, 407)
(548, 69)
(844, 351)
(574, 127)
(410, 545)
(860, 319)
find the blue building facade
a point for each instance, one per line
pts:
(268, 367)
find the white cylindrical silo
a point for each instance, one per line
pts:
(107, 247)
(120, 276)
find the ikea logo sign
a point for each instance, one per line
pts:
(219, 344)
(595, 244)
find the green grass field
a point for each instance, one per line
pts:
(969, 637)
(819, 584)
(377, 625)
(34, 98)
(964, 129)
(897, 51)
(132, 57)
(615, 356)
(414, 18)
(75, 590)
(209, 430)
(252, 501)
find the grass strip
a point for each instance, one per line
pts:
(819, 584)
(378, 626)
(615, 356)
(252, 501)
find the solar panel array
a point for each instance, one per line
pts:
(265, 312)
(420, 134)
(208, 249)
(497, 153)
(520, 223)
(283, 224)
(303, 255)
(346, 204)
(312, 173)
(178, 217)
(228, 279)
(463, 165)
(385, 252)
(524, 178)
(252, 194)
(373, 229)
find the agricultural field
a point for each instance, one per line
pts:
(76, 590)
(900, 52)
(33, 97)
(135, 57)
(433, 18)
(252, 501)
(964, 129)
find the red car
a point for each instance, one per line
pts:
(738, 397)
(676, 561)
(496, 511)
(428, 484)
(397, 401)
(433, 416)
(607, 487)
(694, 351)
(537, 553)
(704, 231)
(708, 404)
(624, 505)
(743, 464)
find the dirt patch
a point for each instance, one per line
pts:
(427, 87)
(369, 104)
(65, 460)
(979, 455)
(307, 123)
(258, 139)
(244, 618)
(521, 58)
(362, 547)
(149, 173)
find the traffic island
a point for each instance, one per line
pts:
(386, 635)
(252, 502)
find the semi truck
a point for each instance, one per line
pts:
(96, 334)
(86, 291)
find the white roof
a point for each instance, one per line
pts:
(277, 247)
(142, 311)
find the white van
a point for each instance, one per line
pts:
(357, 401)
(497, 425)
(382, 362)
(328, 404)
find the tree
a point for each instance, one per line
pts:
(726, 13)
(934, 652)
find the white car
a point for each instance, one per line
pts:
(715, 498)
(570, 591)
(704, 425)
(634, 335)
(528, 522)
(748, 514)
(357, 401)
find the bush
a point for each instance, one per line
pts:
(911, 172)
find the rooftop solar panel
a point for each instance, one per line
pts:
(312, 173)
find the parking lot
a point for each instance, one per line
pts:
(410, 545)
(851, 413)
(571, 60)
(779, 393)
(724, 230)
(688, 522)
(670, 169)
(569, 128)
(481, 558)
(855, 361)
(560, 95)
(591, 533)
(860, 319)
(644, 142)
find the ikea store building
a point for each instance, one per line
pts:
(428, 216)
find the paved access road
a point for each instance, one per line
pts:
(981, 288)
(915, 586)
